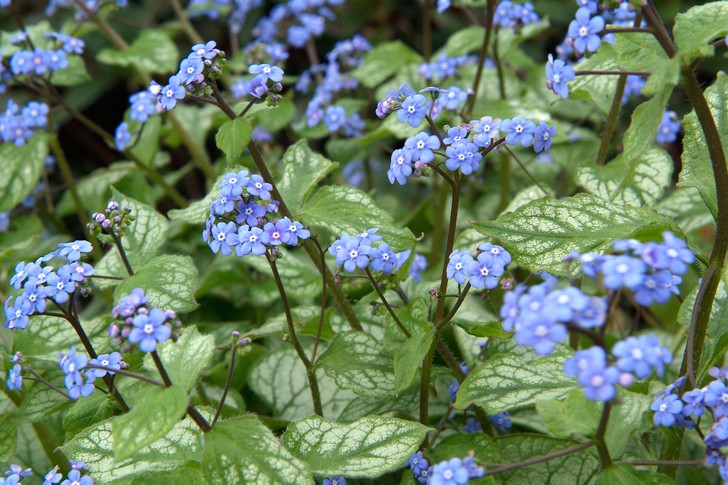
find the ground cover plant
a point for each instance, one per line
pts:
(331, 241)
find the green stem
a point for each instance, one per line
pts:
(187, 26)
(427, 29)
(489, 12)
(589, 72)
(611, 124)
(606, 459)
(505, 182)
(228, 383)
(525, 170)
(499, 68)
(310, 372)
(540, 459)
(122, 253)
(126, 373)
(386, 303)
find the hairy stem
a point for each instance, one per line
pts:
(489, 12)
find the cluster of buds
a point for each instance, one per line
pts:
(244, 343)
(114, 220)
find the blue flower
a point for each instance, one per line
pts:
(122, 137)
(678, 254)
(501, 421)
(149, 330)
(190, 70)
(129, 304)
(224, 238)
(594, 314)
(584, 30)
(22, 270)
(414, 109)
(484, 271)
(266, 71)
(540, 331)
(15, 380)
(369, 236)
(640, 355)
(259, 187)
(485, 130)
(110, 362)
(249, 241)
(205, 51)
(142, 105)
(599, 384)
(334, 481)
(172, 92)
(718, 436)
(74, 381)
(472, 426)
(72, 251)
(383, 259)
(353, 255)
(463, 156)
(75, 478)
(519, 130)
(694, 404)
(716, 397)
(457, 266)
(623, 270)
(232, 184)
(453, 98)
(657, 287)
(294, 231)
(666, 408)
(669, 128)
(334, 118)
(52, 477)
(419, 264)
(60, 286)
(421, 147)
(274, 233)
(400, 166)
(450, 472)
(543, 135)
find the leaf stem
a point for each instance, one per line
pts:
(122, 253)
(489, 12)
(592, 72)
(228, 382)
(187, 26)
(386, 303)
(525, 170)
(540, 459)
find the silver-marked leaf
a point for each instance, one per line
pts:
(408, 356)
(509, 382)
(348, 210)
(22, 166)
(460, 444)
(93, 189)
(279, 379)
(185, 358)
(366, 448)
(697, 169)
(355, 361)
(169, 281)
(153, 51)
(41, 401)
(93, 446)
(232, 138)
(198, 211)
(695, 29)
(243, 450)
(404, 404)
(141, 240)
(303, 169)
(523, 197)
(598, 89)
(574, 416)
(642, 52)
(625, 474)
(47, 336)
(87, 412)
(156, 411)
(303, 281)
(687, 208)
(540, 234)
(639, 182)
(581, 467)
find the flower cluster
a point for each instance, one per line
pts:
(687, 410)
(41, 282)
(34, 60)
(354, 252)
(558, 74)
(114, 220)
(444, 66)
(93, 5)
(15, 379)
(669, 128)
(15, 474)
(651, 270)
(483, 271)
(74, 476)
(449, 472)
(511, 15)
(139, 323)
(300, 20)
(345, 55)
(78, 384)
(17, 125)
(239, 219)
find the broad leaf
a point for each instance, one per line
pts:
(597, 89)
(141, 240)
(73, 74)
(232, 138)
(22, 166)
(581, 467)
(687, 208)
(185, 358)
(460, 444)
(94, 188)
(47, 336)
(347, 210)
(542, 233)
(303, 169)
(625, 474)
(626, 421)
(571, 417)
(279, 379)
(492, 329)
(302, 279)
(243, 450)
(695, 29)
(508, 382)
(169, 281)
(639, 182)
(356, 362)
(154, 414)
(383, 61)
(642, 52)
(409, 355)
(86, 412)
(642, 130)
(366, 448)
(697, 170)
(718, 314)
(153, 51)
(93, 446)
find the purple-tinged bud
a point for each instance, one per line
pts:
(170, 314)
(125, 332)
(625, 379)
(434, 293)
(17, 357)
(112, 205)
(235, 334)
(106, 224)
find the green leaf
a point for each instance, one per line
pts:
(93, 446)
(639, 182)
(574, 416)
(347, 210)
(492, 329)
(718, 314)
(47, 336)
(397, 406)
(141, 240)
(597, 89)
(243, 450)
(408, 356)
(94, 188)
(153, 51)
(280, 116)
(460, 444)
(197, 212)
(147, 145)
(642, 130)
(642, 52)
(185, 358)
(8, 438)
(189, 474)
(87, 412)
(687, 208)
(22, 166)
(366, 448)
(232, 138)
(73, 74)
(41, 401)
(465, 41)
(154, 414)
(508, 382)
(695, 29)
(697, 169)
(303, 280)
(383, 61)
(625, 474)
(626, 421)
(355, 361)
(169, 281)
(542, 233)
(581, 467)
(279, 379)
(303, 169)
